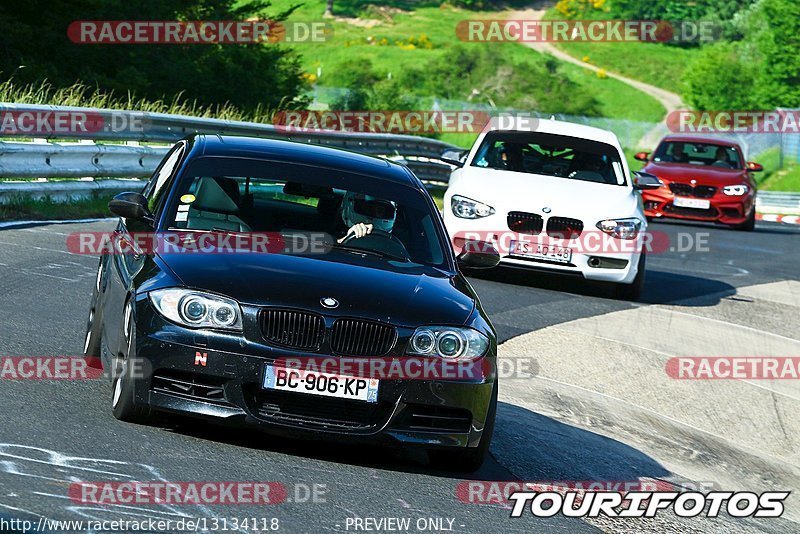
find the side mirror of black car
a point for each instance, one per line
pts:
(478, 255)
(131, 206)
(645, 180)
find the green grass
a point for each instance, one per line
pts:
(787, 179)
(437, 192)
(25, 208)
(437, 24)
(82, 95)
(653, 63)
(775, 178)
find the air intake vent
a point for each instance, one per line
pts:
(434, 419)
(564, 227)
(354, 337)
(293, 329)
(524, 223)
(189, 386)
(686, 190)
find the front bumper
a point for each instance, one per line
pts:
(722, 208)
(225, 388)
(595, 256)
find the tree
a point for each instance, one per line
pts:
(328, 9)
(33, 33)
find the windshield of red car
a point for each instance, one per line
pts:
(708, 154)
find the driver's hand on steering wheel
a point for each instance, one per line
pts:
(358, 230)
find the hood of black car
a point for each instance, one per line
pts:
(374, 288)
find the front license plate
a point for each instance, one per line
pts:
(540, 251)
(323, 384)
(699, 203)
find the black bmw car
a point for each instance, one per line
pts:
(208, 334)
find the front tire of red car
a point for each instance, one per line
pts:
(750, 224)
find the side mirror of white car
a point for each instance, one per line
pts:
(645, 180)
(454, 157)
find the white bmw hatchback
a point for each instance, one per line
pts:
(553, 196)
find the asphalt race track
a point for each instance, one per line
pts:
(600, 408)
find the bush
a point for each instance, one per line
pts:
(673, 10)
(487, 76)
(761, 71)
(719, 78)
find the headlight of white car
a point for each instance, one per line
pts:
(448, 342)
(466, 208)
(735, 190)
(196, 309)
(621, 228)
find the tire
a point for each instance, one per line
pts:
(468, 460)
(633, 290)
(123, 405)
(92, 345)
(750, 224)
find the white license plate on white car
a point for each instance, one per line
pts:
(323, 384)
(698, 203)
(541, 251)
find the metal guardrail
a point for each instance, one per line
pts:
(778, 202)
(143, 126)
(25, 160)
(62, 191)
(35, 160)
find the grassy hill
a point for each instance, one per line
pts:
(655, 63)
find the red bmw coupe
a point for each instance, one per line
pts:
(705, 179)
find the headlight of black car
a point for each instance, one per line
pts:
(196, 309)
(448, 342)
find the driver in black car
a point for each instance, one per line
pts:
(363, 213)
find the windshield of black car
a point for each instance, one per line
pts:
(252, 196)
(551, 155)
(705, 154)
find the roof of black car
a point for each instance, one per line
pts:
(308, 154)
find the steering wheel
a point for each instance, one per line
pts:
(379, 237)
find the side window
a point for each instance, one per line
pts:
(155, 189)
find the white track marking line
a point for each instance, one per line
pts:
(46, 249)
(40, 231)
(12, 224)
(720, 321)
(668, 355)
(757, 452)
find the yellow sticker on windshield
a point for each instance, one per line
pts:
(188, 199)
